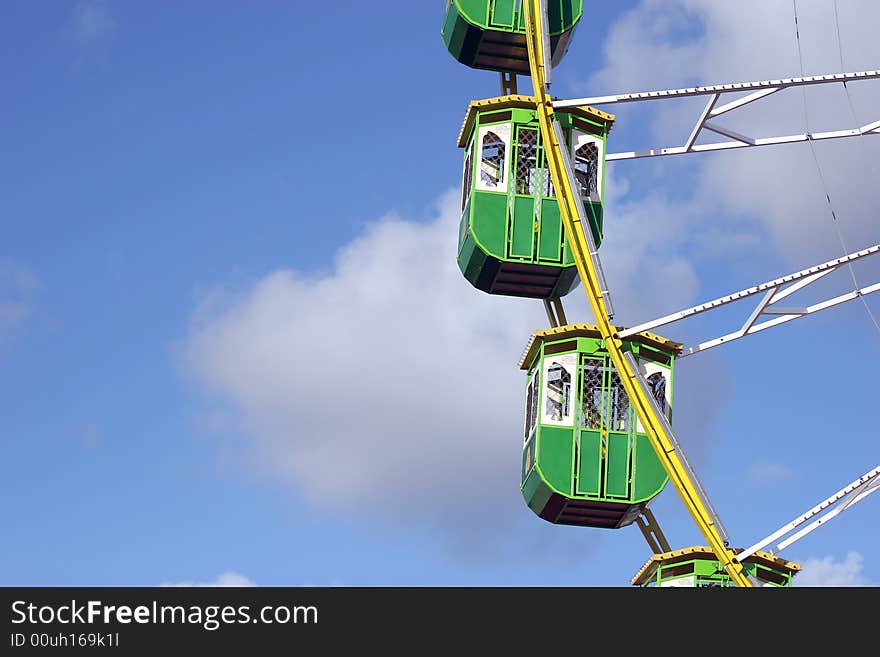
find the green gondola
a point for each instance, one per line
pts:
(698, 567)
(586, 459)
(511, 238)
(490, 34)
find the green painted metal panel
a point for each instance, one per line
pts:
(617, 463)
(595, 217)
(523, 228)
(503, 13)
(454, 32)
(465, 253)
(589, 466)
(471, 260)
(488, 226)
(563, 15)
(569, 12)
(555, 456)
(550, 232)
(464, 224)
(567, 257)
(649, 475)
(536, 492)
(528, 458)
(474, 11)
(525, 117)
(475, 266)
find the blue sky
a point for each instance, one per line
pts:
(235, 345)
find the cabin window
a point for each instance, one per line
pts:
(532, 173)
(591, 403)
(526, 161)
(531, 407)
(604, 401)
(657, 379)
(546, 179)
(467, 177)
(587, 166)
(493, 158)
(618, 405)
(657, 385)
(558, 392)
(559, 377)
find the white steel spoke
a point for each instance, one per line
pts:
(833, 506)
(775, 291)
(736, 104)
(719, 88)
(730, 133)
(702, 122)
(759, 90)
(787, 317)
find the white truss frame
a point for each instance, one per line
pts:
(773, 294)
(759, 90)
(823, 512)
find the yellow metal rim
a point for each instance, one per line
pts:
(663, 445)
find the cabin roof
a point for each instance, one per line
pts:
(649, 570)
(591, 331)
(525, 102)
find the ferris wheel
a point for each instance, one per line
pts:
(597, 443)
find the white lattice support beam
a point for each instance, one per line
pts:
(760, 90)
(725, 132)
(774, 292)
(741, 143)
(701, 123)
(736, 104)
(769, 86)
(785, 318)
(819, 515)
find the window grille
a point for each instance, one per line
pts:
(586, 170)
(657, 383)
(492, 162)
(558, 392)
(531, 408)
(468, 178)
(526, 161)
(618, 405)
(591, 405)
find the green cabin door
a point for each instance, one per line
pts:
(604, 466)
(503, 13)
(522, 226)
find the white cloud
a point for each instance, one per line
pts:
(227, 579)
(832, 573)
(388, 386)
(673, 43)
(91, 22)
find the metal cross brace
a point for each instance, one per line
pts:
(833, 506)
(760, 90)
(773, 293)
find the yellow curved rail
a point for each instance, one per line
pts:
(568, 199)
